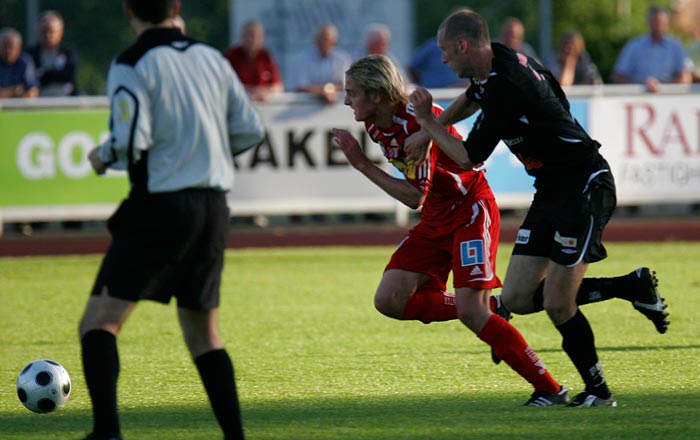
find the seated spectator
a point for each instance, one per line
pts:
(513, 35)
(17, 73)
(377, 42)
(321, 69)
(254, 64)
(572, 64)
(654, 58)
(56, 62)
(427, 69)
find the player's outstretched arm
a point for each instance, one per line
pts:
(416, 145)
(397, 188)
(460, 109)
(422, 102)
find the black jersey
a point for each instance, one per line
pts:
(523, 105)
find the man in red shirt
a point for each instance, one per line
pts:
(254, 64)
(458, 230)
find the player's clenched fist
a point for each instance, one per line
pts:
(422, 102)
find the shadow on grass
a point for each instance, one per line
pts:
(632, 348)
(390, 418)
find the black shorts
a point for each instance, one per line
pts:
(166, 245)
(569, 230)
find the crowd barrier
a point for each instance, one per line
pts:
(652, 142)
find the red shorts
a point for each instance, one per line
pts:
(468, 249)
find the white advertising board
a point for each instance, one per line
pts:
(652, 144)
(298, 169)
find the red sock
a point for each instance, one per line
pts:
(510, 346)
(430, 305)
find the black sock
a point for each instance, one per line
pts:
(578, 342)
(216, 370)
(592, 290)
(603, 289)
(538, 298)
(101, 368)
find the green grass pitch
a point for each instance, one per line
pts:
(314, 360)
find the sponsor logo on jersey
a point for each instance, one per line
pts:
(523, 236)
(514, 141)
(123, 109)
(476, 271)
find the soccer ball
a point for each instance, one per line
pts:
(43, 386)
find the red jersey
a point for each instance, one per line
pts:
(449, 188)
(258, 71)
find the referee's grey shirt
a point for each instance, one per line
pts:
(178, 115)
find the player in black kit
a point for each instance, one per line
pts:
(523, 105)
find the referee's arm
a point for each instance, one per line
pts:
(245, 125)
(129, 121)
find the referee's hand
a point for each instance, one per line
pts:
(96, 162)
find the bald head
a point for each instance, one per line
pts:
(326, 38)
(10, 45)
(512, 33)
(50, 30)
(252, 37)
(466, 24)
(377, 39)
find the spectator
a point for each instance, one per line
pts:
(513, 35)
(377, 42)
(654, 58)
(321, 69)
(573, 65)
(254, 64)
(427, 69)
(56, 62)
(17, 73)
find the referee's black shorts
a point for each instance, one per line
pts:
(569, 230)
(165, 245)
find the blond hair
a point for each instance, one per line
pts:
(377, 74)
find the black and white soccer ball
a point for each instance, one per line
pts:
(43, 386)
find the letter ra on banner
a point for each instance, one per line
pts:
(472, 252)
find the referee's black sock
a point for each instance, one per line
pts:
(578, 342)
(593, 290)
(101, 369)
(216, 370)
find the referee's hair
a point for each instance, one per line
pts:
(152, 11)
(468, 25)
(377, 74)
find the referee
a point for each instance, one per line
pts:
(178, 115)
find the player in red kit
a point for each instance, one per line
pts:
(458, 230)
